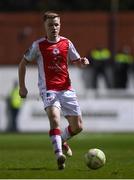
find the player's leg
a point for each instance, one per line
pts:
(72, 112)
(75, 124)
(75, 127)
(55, 134)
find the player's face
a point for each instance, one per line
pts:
(52, 27)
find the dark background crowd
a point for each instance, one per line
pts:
(115, 70)
(65, 5)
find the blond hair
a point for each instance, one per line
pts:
(50, 15)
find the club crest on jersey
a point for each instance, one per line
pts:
(56, 51)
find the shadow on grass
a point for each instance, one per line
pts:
(28, 169)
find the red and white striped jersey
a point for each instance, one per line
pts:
(52, 60)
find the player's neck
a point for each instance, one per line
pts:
(53, 39)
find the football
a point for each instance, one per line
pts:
(95, 158)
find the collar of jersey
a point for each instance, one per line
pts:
(53, 41)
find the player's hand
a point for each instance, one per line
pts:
(84, 61)
(23, 92)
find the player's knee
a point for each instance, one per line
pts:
(77, 129)
(80, 128)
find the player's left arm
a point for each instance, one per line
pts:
(82, 62)
(75, 58)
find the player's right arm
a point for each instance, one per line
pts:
(22, 72)
(28, 57)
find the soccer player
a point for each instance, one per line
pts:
(51, 54)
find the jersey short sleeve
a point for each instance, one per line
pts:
(32, 52)
(72, 52)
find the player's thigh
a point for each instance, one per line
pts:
(70, 105)
(53, 114)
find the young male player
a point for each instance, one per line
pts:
(52, 54)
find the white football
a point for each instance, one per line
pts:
(95, 158)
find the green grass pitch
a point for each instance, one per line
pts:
(30, 156)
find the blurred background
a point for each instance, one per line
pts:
(100, 30)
